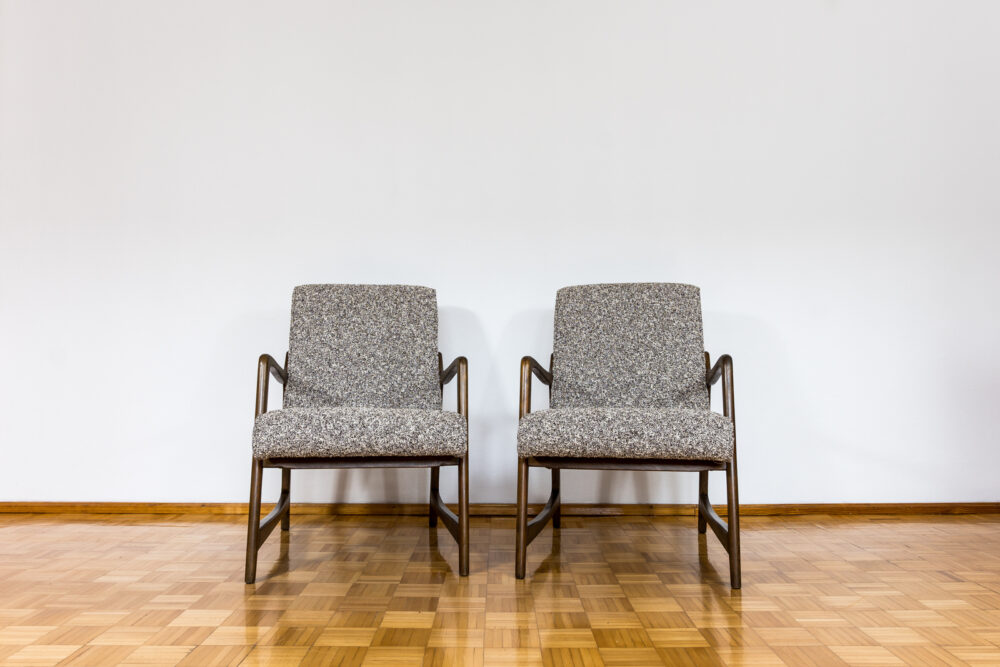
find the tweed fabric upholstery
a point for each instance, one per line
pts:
(363, 345)
(636, 345)
(627, 433)
(359, 431)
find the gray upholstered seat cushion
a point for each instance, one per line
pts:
(359, 431)
(628, 433)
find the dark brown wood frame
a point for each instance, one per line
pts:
(458, 525)
(729, 534)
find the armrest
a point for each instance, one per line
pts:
(717, 371)
(448, 374)
(529, 367)
(723, 368)
(537, 369)
(267, 367)
(459, 368)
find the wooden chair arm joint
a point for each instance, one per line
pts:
(535, 368)
(529, 367)
(460, 369)
(723, 368)
(448, 374)
(266, 368)
(270, 365)
(722, 365)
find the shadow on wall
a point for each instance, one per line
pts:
(223, 412)
(527, 333)
(463, 332)
(773, 390)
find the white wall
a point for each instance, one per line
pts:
(827, 171)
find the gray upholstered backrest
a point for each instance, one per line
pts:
(629, 345)
(363, 345)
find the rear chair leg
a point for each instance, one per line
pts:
(521, 537)
(463, 517)
(286, 490)
(432, 516)
(557, 514)
(253, 525)
(702, 496)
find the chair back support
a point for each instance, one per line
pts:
(629, 345)
(363, 346)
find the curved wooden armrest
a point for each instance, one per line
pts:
(723, 368)
(268, 363)
(534, 367)
(723, 363)
(459, 368)
(267, 367)
(529, 367)
(453, 368)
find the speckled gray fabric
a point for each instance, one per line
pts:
(363, 345)
(628, 433)
(362, 378)
(634, 345)
(628, 378)
(354, 431)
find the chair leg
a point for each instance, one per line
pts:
(702, 495)
(286, 491)
(733, 521)
(521, 537)
(432, 516)
(557, 514)
(253, 525)
(463, 517)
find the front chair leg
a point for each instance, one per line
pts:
(253, 526)
(734, 525)
(463, 517)
(521, 536)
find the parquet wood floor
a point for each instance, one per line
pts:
(168, 590)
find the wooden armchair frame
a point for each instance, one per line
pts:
(729, 535)
(457, 524)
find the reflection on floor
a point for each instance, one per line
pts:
(132, 589)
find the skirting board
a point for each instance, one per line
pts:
(501, 509)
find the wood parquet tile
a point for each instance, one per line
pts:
(167, 590)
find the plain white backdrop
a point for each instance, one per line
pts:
(828, 171)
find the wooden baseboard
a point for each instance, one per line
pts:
(502, 509)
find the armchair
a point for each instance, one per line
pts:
(362, 384)
(629, 384)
